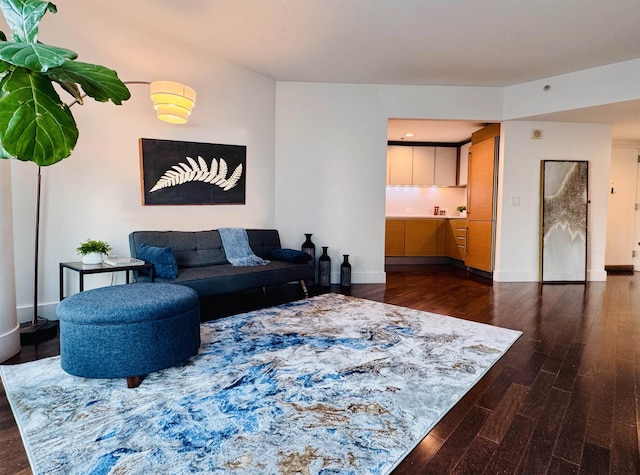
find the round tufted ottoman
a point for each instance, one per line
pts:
(127, 331)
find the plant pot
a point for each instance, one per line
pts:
(92, 258)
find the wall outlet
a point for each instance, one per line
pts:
(408, 210)
(515, 201)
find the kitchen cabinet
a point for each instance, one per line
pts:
(481, 191)
(456, 239)
(394, 237)
(422, 165)
(415, 237)
(446, 166)
(399, 165)
(479, 253)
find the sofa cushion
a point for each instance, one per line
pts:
(291, 255)
(162, 258)
(191, 248)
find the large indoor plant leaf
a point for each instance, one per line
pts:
(96, 81)
(34, 124)
(23, 17)
(34, 56)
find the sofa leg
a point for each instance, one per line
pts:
(133, 381)
(304, 289)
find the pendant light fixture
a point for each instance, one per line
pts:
(172, 101)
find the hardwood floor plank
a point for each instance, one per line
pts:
(624, 406)
(595, 460)
(534, 404)
(476, 458)
(574, 426)
(569, 369)
(562, 467)
(498, 389)
(540, 447)
(499, 421)
(624, 449)
(457, 444)
(509, 454)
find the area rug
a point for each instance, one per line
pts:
(330, 384)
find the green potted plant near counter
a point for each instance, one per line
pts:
(462, 209)
(93, 251)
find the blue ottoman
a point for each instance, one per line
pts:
(128, 331)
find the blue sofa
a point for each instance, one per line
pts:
(203, 266)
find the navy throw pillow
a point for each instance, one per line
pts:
(162, 258)
(291, 255)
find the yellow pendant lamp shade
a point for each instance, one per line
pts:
(172, 101)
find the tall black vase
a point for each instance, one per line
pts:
(310, 248)
(345, 272)
(324, 268)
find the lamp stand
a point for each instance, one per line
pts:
(39, 328)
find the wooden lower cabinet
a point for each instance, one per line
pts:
(415, 237)
(394, 237)
(421, 237)
(479, 245)
(456, 239)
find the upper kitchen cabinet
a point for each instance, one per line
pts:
(422, 165)
(446, 167)
(399, 165)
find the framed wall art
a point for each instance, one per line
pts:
(563, 216)
(192, 173)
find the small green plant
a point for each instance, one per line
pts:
(461, 208)
(91, 245)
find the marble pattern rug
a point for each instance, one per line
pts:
(326, 385)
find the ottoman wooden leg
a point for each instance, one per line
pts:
(133, 381)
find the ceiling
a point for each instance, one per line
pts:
(413, 42)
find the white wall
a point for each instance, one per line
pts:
(517, 246)
(95, 193)
(592, 87)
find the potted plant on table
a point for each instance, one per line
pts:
(462, 209)
(93, 251)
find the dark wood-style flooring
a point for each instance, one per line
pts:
(565, 399)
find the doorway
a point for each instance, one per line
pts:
(623, 226)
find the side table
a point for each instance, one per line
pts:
(83, 269)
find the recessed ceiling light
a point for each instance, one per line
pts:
(408, 134)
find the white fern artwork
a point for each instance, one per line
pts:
(216, 174)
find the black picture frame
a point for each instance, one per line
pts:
(192, 173)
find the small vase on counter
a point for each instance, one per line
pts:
(324, 268)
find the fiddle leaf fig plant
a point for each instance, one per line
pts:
(35, 124)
